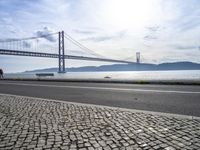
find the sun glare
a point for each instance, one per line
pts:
(128, 13)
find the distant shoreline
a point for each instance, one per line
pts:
(128, 67)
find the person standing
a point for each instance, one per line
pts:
(1, 73)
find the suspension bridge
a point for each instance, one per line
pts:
(55, 45)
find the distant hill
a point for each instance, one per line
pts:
(129, 67)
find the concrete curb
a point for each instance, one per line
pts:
(113, 108)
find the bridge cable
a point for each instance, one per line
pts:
(81, 46)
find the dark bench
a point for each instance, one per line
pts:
(44, 74)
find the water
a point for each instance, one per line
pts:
(125, 75)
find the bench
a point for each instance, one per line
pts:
(44, 74)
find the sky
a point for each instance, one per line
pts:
(161, 30)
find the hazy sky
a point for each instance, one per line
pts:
(162, 30)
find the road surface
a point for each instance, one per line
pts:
(177, 99)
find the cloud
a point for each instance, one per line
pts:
(116, 36)
(46, 33)
(189, 24)
(153, 28)
(150, 37)
(188, 47)
(152, 33)
(99, 38)
(84, 31)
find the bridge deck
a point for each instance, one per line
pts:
(53, 55)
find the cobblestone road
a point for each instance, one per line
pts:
(29, 123)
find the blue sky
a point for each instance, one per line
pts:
(162, 30)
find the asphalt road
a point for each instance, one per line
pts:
(177, 99)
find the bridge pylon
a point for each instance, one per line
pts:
(61, 50)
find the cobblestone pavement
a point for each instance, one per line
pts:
(29, 123)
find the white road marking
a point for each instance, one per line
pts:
(104, 88)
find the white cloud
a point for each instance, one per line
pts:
(47, 34)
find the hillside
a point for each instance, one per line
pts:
(129, 67)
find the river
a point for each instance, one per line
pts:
(118, 75)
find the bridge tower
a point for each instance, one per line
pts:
(61, 49)
(138, 57)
